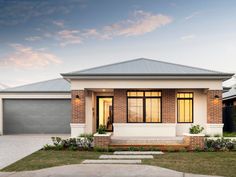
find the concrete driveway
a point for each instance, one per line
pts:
(102, 170)
(16, 147)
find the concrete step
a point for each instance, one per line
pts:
(138, 153)
(112, 162)
(126, 157)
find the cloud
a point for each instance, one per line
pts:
(33, 38)
(58, 23)
(140, 23)
(26, 57)
(188, 37)
(192, 15)
(67, 37)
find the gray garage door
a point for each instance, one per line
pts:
(36, 116)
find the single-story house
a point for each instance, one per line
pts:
(140, 97)
(229, 97)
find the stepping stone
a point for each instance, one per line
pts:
(138, 152)
(126, 157)
(112, 162)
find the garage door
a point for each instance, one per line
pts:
(36, 116)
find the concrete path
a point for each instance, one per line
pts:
(112, 162)
(102, 170)
(138, 152)
(15, 147)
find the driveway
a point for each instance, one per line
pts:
(102, 170)
(16, 147)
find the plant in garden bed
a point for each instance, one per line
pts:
(195, 129)
(220, 144)
(101, 129)
(83, 142)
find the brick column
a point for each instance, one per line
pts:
(120, 107)
(102, 140)
(78, 106)
(194, 142)
(168, 106)
(214, 108)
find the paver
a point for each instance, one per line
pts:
(112, 162)
(126, 157)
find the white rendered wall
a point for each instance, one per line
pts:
(144, 129)
(88, 114)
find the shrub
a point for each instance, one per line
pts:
(84, 142)
(101, 129)
(220, 144)
(195, 129)
(217, 135)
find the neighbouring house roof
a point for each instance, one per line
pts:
(54, 85)
(145, 67)
(230, 94)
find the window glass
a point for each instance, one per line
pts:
(135, 109)
(153, 110)
(135, 94)
(153, 94)
(185, 107)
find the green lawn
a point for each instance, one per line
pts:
(211, 163)
(44, 159)
(229, 134)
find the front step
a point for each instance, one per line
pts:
(126, 157)
(112, 162)
(138, 153)
(146, 140)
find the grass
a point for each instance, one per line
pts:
(229, 134)
(208, 163)
(44, 159)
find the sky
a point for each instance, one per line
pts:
(41, 39)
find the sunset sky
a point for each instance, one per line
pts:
(41, 39)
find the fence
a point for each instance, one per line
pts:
(229, 118)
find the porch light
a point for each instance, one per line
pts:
(216, 99)
(77, 97)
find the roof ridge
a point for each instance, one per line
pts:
(9, 88)
(96, 67)
(177, 64)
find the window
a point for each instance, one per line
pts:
(144, 106)
(185, 107)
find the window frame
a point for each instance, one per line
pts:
(144, 105)
(192, 107)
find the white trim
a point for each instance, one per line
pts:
(189, 134)
(106, 134)
(77, 129)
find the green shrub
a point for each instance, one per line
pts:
(197, 149)
(220, 144)
(217, 135)
(101, 129)
(195, 129)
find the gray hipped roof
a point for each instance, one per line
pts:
(54, 85)
(230, 94)
(143, 66)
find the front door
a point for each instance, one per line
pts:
(105, 112)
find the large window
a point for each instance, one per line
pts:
(144, 106)
(185, 107)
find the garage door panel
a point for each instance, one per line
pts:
(36, 116)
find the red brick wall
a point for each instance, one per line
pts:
(214, 109)
(120, 106)
(194, 142)
(168, 106)
(102, 141)
(78, 106)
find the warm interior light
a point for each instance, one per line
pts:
(216, 99)
(77, 97)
